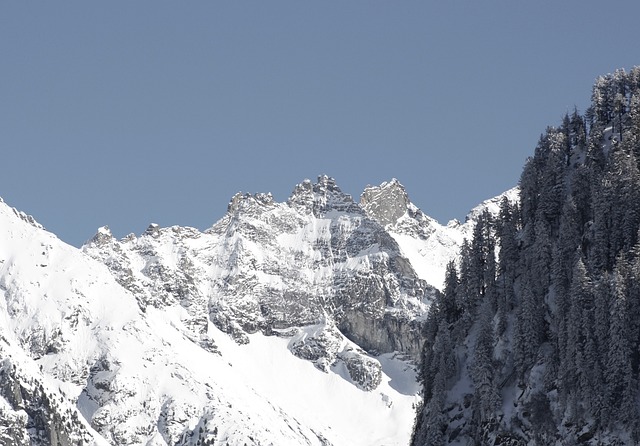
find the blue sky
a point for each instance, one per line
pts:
(125, 113)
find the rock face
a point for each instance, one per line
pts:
(33, 414)
(326, 347)
(386, 203)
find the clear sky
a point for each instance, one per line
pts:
(124, 113)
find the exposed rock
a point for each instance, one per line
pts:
(322, 197)
(327, 348)
(364, 371)
(385, 203)
(427, 244)
(319, 344)
(32, 415)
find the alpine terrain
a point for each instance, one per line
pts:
(295, 323)
(326, 321)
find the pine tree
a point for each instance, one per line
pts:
(577, 139)
(449, 304)
(506, 232)
(616, 209)
(551, 183)
(482, 266)
(632, 282)
(632, 133)
(582, 197)
(432, 422)
(483, 374)
(565, 252)
(466, 287)
(620, 382)
(601, 100)
(528, 330)
(573, 359)
(604, 291)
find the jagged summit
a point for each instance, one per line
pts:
(242, 200)
(427, 244)
(405, 229)
(386, 203)
(423, 240)
(307, 198)
(102, 236)
(322, 197)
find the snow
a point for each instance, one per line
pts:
(401, 374)
(429, 257)
(325, 402)
(610, 139)
(104, 230)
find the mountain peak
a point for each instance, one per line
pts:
(386, 203)
(153, 230)
(326, 180)
(242, 200)
(322, 197)
(102, 237)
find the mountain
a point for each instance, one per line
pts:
(534, 338)
(284, 323)
(271, 267)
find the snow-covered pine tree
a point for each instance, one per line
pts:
(449, 301)
(621, 388)
(486, 399)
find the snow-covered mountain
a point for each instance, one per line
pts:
(284, 323)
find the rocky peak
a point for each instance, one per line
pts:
(242, 201)
(386, 203)
(153, 230)
(322, 197)
(103, 237)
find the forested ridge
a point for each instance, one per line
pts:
(535, 336)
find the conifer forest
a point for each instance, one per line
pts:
(535, 337)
